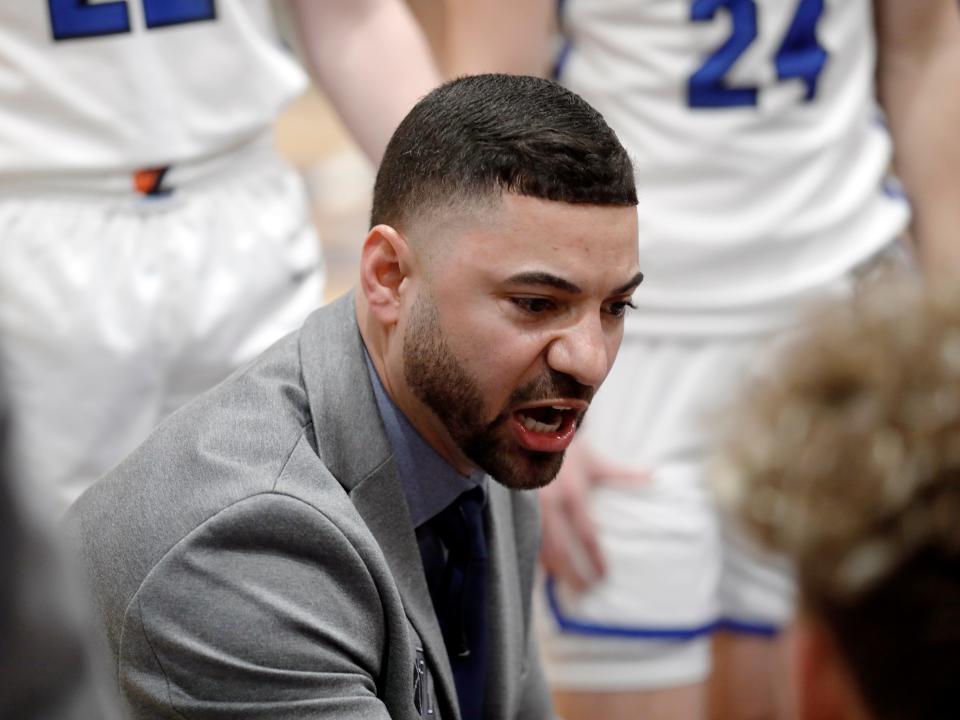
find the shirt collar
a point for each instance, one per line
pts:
(429, 482)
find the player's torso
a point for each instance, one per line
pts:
(135, 83)
(760, 154)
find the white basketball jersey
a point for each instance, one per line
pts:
(125, 84)
(760, 153)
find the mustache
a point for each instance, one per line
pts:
(552, 384)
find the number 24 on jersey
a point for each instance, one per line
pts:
(799, 55)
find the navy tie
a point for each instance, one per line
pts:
(460, 597)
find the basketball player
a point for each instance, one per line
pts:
(152, 239)
(762, 159)
(846, 459)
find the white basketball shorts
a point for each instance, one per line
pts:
(117, 308)
(672, 579)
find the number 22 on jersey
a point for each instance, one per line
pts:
(799, 55)
(70, 19)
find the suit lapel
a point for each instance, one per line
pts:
(505, 610)
(353, 445)
(379, 500)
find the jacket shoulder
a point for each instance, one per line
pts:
(232, 443)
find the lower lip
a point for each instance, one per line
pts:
(549, 442)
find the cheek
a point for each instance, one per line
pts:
(496, 370)
(496, 353)
(500, 363)
(614, 340)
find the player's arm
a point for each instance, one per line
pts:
(511, 36)
(919, 58)
(371, 59)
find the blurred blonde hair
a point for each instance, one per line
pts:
(847, 458)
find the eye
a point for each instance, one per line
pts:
(533, 305)
(618, 308)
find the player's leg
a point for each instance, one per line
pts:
(83, 338)
(756, 594)
(685, 701)
(748, 681)
(259, 275)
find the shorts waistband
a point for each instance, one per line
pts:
(154, 181)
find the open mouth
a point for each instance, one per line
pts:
(548, 426)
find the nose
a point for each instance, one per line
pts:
(582, 352)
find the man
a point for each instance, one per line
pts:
(316, 537)
(847, 460)
(152, 239)
(764, 164)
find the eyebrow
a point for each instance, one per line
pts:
(558, 283)
(630, 286)
(544, 278)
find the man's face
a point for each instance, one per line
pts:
(513, 327)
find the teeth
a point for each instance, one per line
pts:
(530, 424)
(559, 407)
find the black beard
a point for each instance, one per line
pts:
(442, 384)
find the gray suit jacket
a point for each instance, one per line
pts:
(255, 557)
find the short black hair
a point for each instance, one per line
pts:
(478, 136)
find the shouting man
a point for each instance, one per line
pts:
(317, 536)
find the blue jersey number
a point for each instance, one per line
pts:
(71, 19)
(799, 55)
(707, 87)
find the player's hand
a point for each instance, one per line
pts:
(570, 549)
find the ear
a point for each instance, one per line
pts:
(384, 265)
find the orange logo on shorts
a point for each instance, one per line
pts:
(149, 180)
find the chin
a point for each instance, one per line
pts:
(525, 470)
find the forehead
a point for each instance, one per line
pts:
(585, 244)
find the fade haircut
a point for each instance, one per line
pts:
(848, 460)
(476, 137)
